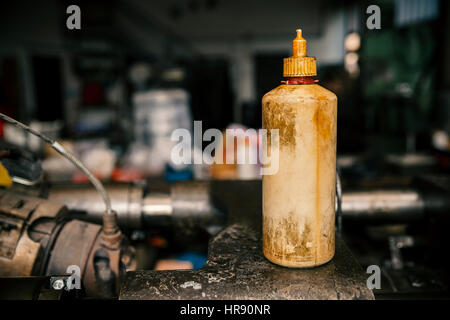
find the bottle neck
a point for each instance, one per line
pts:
(300, 80)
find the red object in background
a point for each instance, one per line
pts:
(81, 177)
(118, 174)
(93, 94)
(8, 112)
(158, 242)
(126, 175)
(443, 158)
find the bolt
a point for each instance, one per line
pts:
(58, 284)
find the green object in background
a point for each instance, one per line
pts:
(398, 78)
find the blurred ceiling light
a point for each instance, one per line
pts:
(352, 42)
(351, 58)
(140, 72)
(351, 63)
(441, 140)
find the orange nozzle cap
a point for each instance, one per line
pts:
(299, 65)
(299, 45)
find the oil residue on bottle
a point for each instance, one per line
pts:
(299, 200)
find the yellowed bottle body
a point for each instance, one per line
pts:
(299, 200)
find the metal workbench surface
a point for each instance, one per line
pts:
(237, 269)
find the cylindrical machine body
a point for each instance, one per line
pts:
(37, 239)
(126, 199)
(299, 199)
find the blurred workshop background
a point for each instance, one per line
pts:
(114, 91)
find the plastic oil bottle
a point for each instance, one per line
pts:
(299, 199)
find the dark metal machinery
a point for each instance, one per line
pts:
(419, 200)
(236, 268)
(192, 204)
(229, 211)
(38, 238)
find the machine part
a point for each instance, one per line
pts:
(83, 246)
(111, 236)
(237, 269)
(26, 226)
(383, 204)
(126, 198)
(58, 284)
(36, 240)
(393, 205)
(186, 206)
(192, 207)
(29, 288)
(157, 207)
(75, 249)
